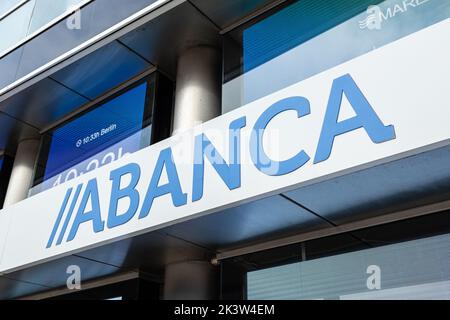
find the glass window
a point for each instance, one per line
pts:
(310, 36)
(417, 269)
(29, 17)
(63, 36)
(47, 10)
(14, 27)
(7, 5)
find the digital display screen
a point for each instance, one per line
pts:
(98, 137)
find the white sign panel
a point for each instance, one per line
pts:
(389, 103)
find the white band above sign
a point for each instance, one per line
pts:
(389, 103)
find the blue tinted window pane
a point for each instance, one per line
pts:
(294, 25)
(114, 62)
(97, 130)
(94, 18)
(8, 67)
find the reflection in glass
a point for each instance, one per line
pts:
(410, 270)
(14, 27)
(61, 39)
(308, 37)
(47, 10)
(29, 18)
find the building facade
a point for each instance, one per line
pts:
(217, 149)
